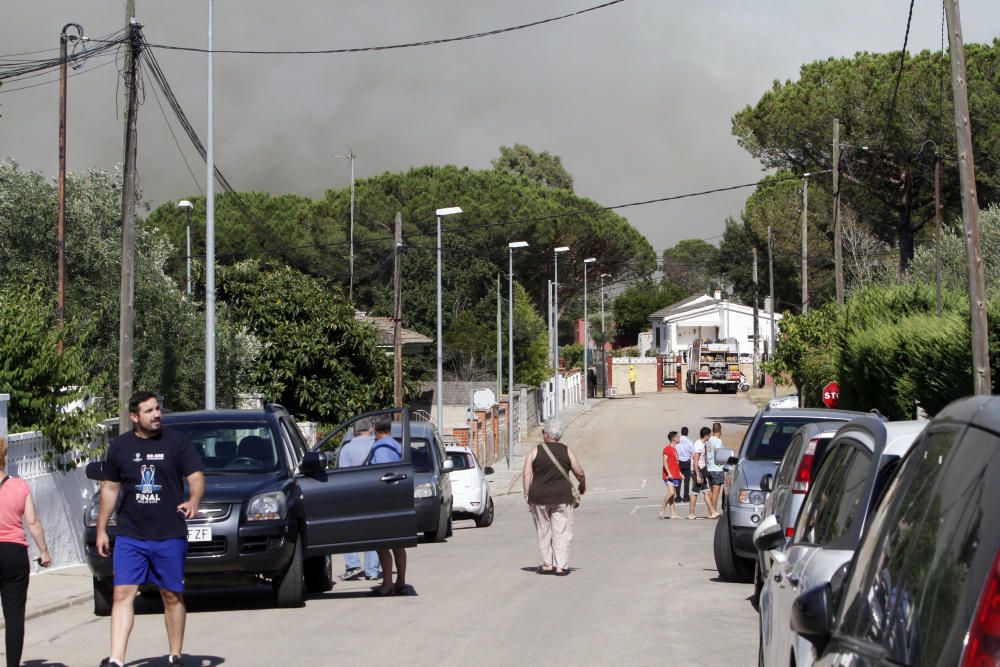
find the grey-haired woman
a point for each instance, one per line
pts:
(549, 493)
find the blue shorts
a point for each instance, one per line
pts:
(674, 482)
(160, 562)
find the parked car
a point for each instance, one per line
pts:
(471, 491)
(761, 451)
(783, 402)
(787, 488)
(273, 511)
(858, 465)
(432, 489)
(923, 587)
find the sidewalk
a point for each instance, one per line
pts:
(505, 481)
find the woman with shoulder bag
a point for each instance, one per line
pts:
(551, 496)
(15, 503)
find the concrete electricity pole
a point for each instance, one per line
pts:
(770, 271)
(397, 316)
(805, 246)
(970, 209)
(126, 324)
(756, 321)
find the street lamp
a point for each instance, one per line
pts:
(441, 212)
(603, 339)
(510, 348)
(555, 325)
(185, 204)
(586, 332)
(350, 156)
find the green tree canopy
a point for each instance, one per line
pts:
(633, 307)
(541, 168)
(693, 265)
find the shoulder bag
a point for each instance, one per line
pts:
(572, 487)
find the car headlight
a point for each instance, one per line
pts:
(267, 506)
(747, 497)
(425, 490)
(90, 516)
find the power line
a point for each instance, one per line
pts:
(389, 47)
(5, 90)
(899, 73)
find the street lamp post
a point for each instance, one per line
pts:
(441, 212)
(603, 340)
(350, 289)
(586, 333)
(510, 348)
(187, 206)
(555, 325)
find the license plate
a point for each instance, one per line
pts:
(199, 533)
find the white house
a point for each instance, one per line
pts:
(713, 318)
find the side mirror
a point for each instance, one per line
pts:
(313, 463)
(724, 457)
(448, 465)
(768, 535)
(95, 470)
(488, 470)
(812, 616)
(766, 483)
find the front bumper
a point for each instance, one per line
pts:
(428, 513)
(743, 520)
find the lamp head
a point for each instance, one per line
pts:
(563, 248)
(184, 203)
(590, 260)
(451, 210)
(518, 244)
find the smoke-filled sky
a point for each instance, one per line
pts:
(636, 98)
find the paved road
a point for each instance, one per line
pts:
(642, 591)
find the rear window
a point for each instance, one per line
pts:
(233, 448)
(420, 451)
(772, 436)
(461, 460)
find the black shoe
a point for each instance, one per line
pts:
(175, 660)
(352, 574)
(108, 662)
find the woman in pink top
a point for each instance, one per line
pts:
(15, 504)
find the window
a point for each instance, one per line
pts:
(295, 438)
(237, 447)
(790, 464)
(421, 454)
(461, 460)
(772, 436)
(833, 503)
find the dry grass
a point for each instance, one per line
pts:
(760, 396)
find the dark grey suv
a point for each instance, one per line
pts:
(273, 511)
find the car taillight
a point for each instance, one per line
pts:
(804, 474)
(982, 649)
(790, 532)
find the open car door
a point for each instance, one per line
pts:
(352, 504)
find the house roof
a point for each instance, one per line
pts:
(384, 328)
(702, 308)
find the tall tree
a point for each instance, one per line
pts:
(633, 307)
(694, 265)
(541, 168)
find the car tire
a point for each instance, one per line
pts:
(318, 574)
(451, 529)
(731, 568)
(103, 596)
(288, 588)
(760, 642)
(485, 519)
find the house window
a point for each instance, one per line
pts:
(657, 337)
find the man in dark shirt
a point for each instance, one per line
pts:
(148, 466)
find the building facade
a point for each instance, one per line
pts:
(711, 318)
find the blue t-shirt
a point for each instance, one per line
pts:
(386, 450)
(152, 473)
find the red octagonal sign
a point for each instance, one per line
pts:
(831, 395)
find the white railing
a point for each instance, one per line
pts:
(572, 391)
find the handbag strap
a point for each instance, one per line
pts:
(556, 463)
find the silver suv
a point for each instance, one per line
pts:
(760, 454)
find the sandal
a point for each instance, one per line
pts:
(562, 573)
(379, 593)
(541, 569)
(402, 590)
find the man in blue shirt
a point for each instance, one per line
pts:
(355, 452)
(387, 450)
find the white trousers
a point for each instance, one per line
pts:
(554, 524)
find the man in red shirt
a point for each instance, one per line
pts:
(671, 474)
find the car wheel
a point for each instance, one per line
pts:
(451, 530)
(760, 642)
(288, 589)
(319, 574)
(485, 519)
(103, 596)
(730, 567)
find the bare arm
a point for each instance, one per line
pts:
(196, 489)
(37, 534)
(574, 465)
(109, 496)
(526, 473)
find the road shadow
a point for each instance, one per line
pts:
(189, 661)
(42, 662)
(533, 569)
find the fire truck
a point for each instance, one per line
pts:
(714, 364)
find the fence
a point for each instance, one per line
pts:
(570, 393)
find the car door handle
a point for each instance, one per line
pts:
(793, 580)
(392, 477)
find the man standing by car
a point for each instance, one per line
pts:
(355, 452)
(713, 471)
(685, 448)
(149, 466)
(387, 450)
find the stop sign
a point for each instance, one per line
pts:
(831, 395)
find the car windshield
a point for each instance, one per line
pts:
(233, 448)
(773, 435)
(420, 452)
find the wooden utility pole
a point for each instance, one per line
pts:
(937, 230)
(127, 317)
(64, 39)
(838, 256)
(756, 322)
(770, 271)
(970, 207)
(397, 316)
(805, 246)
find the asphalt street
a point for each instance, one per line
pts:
(642, 591)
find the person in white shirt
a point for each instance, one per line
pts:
(685, 448)
(698, 463)
(713, 471)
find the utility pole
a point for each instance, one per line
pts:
(805, 246)
(64, 39)
(770, 271)
(970, 208)
(838, 257)
(349, 155)
(756, 321)
(937, 230)
(499, 343)
(126, 327)
(210, 218)
(397, 316)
